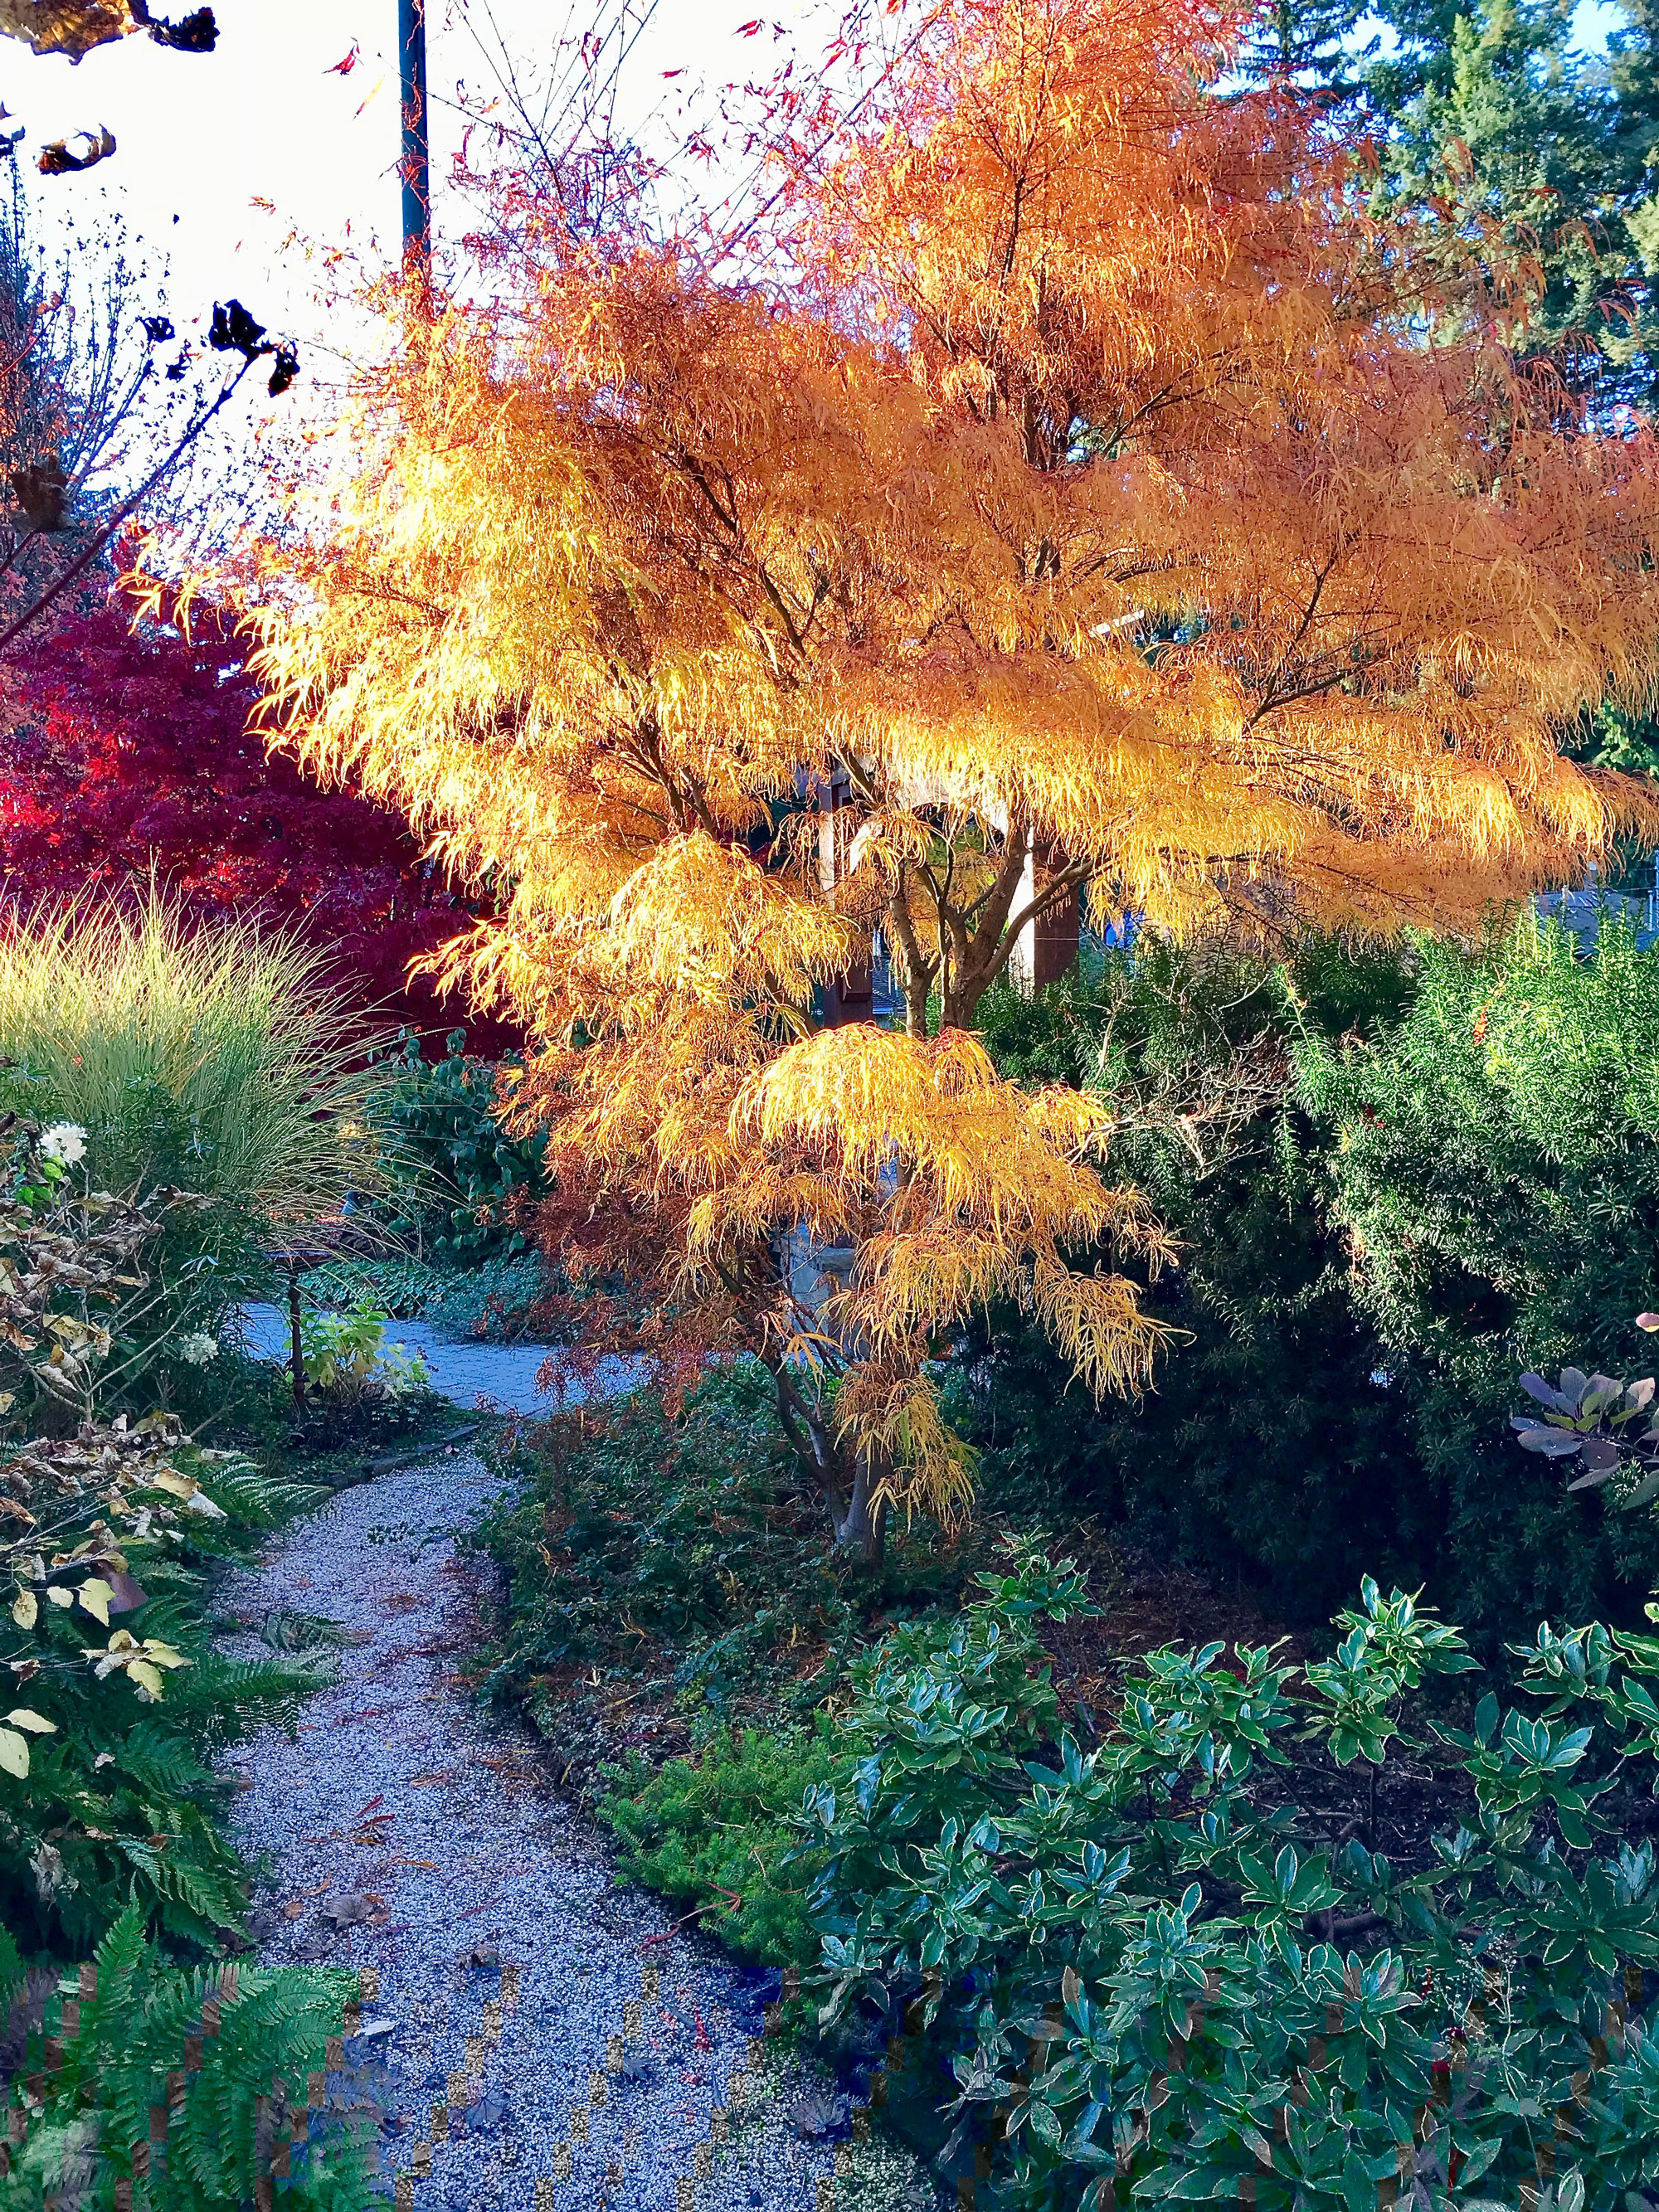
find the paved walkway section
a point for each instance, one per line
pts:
(540, 2037)
(502, 1375)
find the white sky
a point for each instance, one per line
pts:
(202, 137)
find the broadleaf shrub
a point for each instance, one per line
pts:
(105, 1789)
(460, 1180)
(1160, 1970)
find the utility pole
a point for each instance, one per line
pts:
(414, 162)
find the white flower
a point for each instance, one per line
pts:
(64, 1142)
(198, 1347)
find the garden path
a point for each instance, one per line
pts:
(408, 1833)
(463, 1370)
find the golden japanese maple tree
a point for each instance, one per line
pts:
(1096, 501)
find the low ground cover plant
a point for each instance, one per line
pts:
(504, 1300)
(675, 1554)
(715, 1831)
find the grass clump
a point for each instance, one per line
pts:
(218, 1060)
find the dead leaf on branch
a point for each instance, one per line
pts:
(57, 159)
(75, 27)
(41, 489)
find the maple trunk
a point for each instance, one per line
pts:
(857, 1515)
(863, 1526)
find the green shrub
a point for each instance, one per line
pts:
(1492, 1165)
(1266, 1447)
(500, 1299)
(235, 2096)
(346, 1358)
(11, 1965)
(458, 1179)
(216, 1060)
(111, 1832)
(106, 1791)
(1207, 1959)
(401, 1285)
(714, 1831)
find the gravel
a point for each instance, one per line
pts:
(502, 1375)
(412, 1835)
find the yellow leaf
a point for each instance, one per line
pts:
(140, 1670)
(23, 1716)
(165, 1478)
(14, 1752)
(59, 1595)
(24, 1609)
(95, 1595)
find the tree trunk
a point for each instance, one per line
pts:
(863, 1527)
(916, 971)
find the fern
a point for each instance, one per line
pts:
(252, 1499)
(159, 1763)
(225, 1703)
(146, 2039)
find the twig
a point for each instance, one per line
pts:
(124, 513)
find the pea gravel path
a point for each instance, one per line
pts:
(465, 1369)
(433, 1835)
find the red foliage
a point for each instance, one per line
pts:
(121, 752)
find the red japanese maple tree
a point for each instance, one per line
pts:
(122, 753)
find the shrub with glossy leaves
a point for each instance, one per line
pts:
(1165, 1970)
(460, 1180)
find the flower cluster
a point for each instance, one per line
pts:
(64, 1143)
(198, 1348)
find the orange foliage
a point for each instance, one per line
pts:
(1104, 504)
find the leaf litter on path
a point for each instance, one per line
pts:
(579, 1945)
